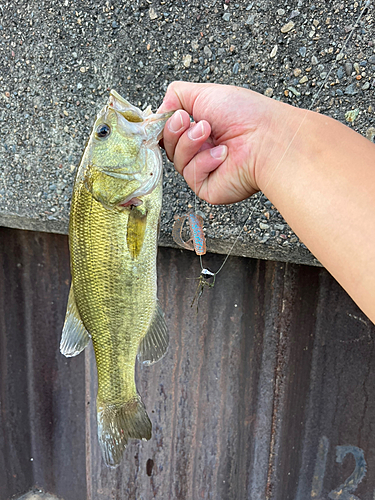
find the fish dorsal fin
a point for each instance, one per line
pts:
(154, 344)
(74, 337)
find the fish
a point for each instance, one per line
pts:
(113, 232)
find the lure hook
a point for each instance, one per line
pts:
(206, 280)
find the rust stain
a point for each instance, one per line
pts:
(282, 355)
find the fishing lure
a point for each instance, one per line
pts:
(197, 242)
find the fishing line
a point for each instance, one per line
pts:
(338, 58)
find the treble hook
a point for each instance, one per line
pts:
(206, 279)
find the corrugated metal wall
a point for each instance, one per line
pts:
(266, 393)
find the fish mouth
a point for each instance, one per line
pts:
(133, 202)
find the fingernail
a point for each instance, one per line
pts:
(196, 132)
(219, 153)
(176, 123)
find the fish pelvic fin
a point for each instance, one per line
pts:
(74, 337)
(154, 344)
(119, 422)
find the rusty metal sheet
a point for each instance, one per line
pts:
(240, 404)
(267, 393)
(42, 432)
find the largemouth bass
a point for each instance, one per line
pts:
(113, 232)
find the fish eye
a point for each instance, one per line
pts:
(103, 131)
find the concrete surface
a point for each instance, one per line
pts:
(58, 60)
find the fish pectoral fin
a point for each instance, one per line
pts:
(74, 337)
(136, 230)
(154, 344)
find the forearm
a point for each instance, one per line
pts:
(324, 187)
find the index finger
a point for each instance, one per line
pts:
(181, 95)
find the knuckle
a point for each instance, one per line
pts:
(171, 87)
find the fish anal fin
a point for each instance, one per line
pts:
(154, 344)
(119, 422)
(74, 337)
(136, 230)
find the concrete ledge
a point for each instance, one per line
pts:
(59, 60)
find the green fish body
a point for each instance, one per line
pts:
(113, 231)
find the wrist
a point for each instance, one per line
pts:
(284, 142)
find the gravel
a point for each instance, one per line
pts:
(352, 89)
(348, 68)
(58, 60)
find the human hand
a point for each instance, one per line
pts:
(236, 133)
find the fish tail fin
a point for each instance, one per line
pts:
(119, 422)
